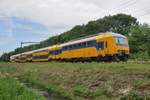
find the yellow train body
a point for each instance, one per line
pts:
(104, 46)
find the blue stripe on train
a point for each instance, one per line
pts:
(122, 45)
(92, 43)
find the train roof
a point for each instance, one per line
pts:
(118, 35)
(91, 37)
(14, 56)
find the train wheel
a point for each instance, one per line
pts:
(116, 59)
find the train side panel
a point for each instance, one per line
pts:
(40, 56)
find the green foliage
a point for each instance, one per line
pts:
(139, 41)
(147, 75)
(58, 92)
(10, 89)
(5, 57)
(81, 90)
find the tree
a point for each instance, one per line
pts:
(139, 40)
(119, 23)
(5, 57)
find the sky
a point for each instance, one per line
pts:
(36, 20)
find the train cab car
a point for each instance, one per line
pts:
(121, 46)
(104, 46)
(114, 46)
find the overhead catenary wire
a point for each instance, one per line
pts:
(119, 7)
(124, 6)
(127, 4)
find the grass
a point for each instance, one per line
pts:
(85, 81)
(10, 89)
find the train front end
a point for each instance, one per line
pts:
(121, 47)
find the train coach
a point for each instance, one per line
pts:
(101, 47)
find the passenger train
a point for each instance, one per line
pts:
(100, 47)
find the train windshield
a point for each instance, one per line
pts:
(121, 41)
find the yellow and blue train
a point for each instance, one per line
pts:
(101, 47)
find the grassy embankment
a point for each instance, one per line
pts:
(85, 81)
(10, 89)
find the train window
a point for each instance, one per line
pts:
(102, 45)
(121, 41)
(87, 44)
(75, 46)
(91, 43)
(50, 52)
(106, 44)
(72, 46)
(67, 48)
(53, 52)
(84, 44)
(40, 57)
(57, 52)
(29, 55)
(79, 44)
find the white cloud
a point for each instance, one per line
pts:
(69, 12)
(61, 15)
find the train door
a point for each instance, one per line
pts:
(106, 47)
(100, 47)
